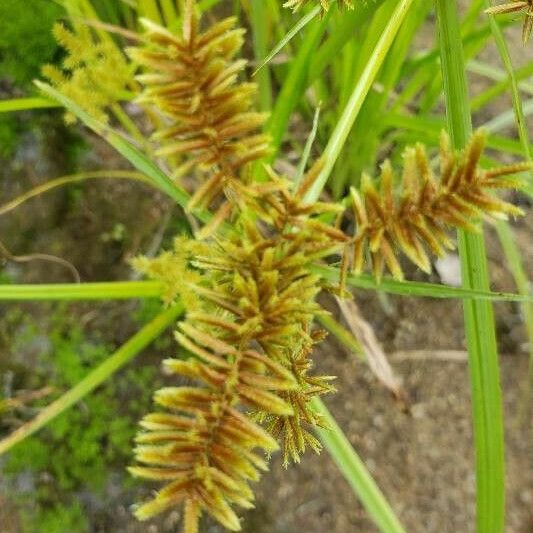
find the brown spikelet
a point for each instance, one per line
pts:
(192, 78)
(416, 221)
(249, 339)
(513, 7)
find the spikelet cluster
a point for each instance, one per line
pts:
(94, 73)
(525, 6)
(192, 78)
(248, 332)
(416, 220)
(295, 5)
(249, 291)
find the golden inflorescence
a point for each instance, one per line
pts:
(192, 78)
(251, 303)
(418, 218)
(94, 73)
(249, 291)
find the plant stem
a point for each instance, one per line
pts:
(344, 336)
(358, 96)
(114, 290)
(22, 104)
(505, 232)
(479, 319)
(169, 11)
(136, 157)
(258, 18)
(515, 264)
(129, 125)
(355, 472)
(414, 288)
(95, 378)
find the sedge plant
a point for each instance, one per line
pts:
(263, 245)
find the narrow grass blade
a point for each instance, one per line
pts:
(112, 290)
(295, 83)
(258, 18)
(355, 472)
(307, 148)
(150, 10)
(287, 38)
(515, 264)
(360, 92)
(479, 318)
(344, 336)
(505, 233)
(95, 378)
(417, 288)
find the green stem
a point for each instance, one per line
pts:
(114, 290)
(414, 288)
(505, 232)
(22, 104)
(342, 335)
(479, 318)
(258, 18)
(150, 10)
(169, 12)
(355, 472)
(95, 378)
(125, 148)
(129, 125)
(357, 98)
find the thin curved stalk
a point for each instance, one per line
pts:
(142, 163)
(479, 318)
(344, 336)
(306, 19)
(95, 378)
(73, 178)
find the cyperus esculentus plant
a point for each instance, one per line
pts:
(249, 332)
(249, 291)
(245, 385)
